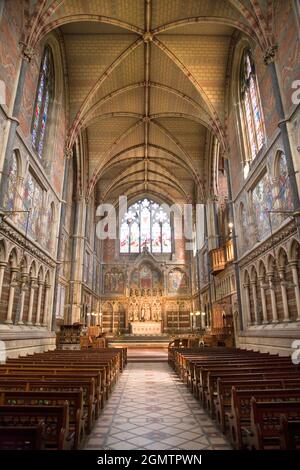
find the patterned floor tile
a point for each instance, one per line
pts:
(151, 409)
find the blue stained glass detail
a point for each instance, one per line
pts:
(41, 110)
(254, 127)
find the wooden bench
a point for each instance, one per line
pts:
(22, 437)
(240, 416)
(262, 371)
(60, 385)
(289, 434)
(50, 372)
(56, 419)
(222, 399)
(53, 398)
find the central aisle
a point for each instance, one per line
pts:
(151, 409)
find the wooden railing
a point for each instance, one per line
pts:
(221, 256)
(229, 251)
(218, 260)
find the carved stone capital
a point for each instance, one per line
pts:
(68, 153)
(28, 52)
(270, 54)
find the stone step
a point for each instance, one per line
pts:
(140, 344)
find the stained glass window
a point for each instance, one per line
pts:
(145, 225)
(33, 202)
(254, 127)
(284, 189)
(42, 102)
(262, 201)
(10, 196)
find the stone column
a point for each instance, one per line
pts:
(77, 261)
(39, 304)
(33, 287)
(286, 315)
(22, 294)
(46, 305)
(11, 296)
(68, 153)
(254, 294)
(273, 298)
(126, 317)
(247, 300)
(2, 269)
(263, 299)
(114, 312)
(293, 265)
(234, 241)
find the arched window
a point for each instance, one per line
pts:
(251, 108)
(43, 102)
(145, 226)
(10, 195)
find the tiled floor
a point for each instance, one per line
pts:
(151, 409)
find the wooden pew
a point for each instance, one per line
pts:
(264, 371)
(22, 437)
(50, 372)
(62, 384)
(56, 419)
(53, 398)
(265, 422)
(289, 434)
(222, 400)
(207, 385)
(240, 417)
(60, 367)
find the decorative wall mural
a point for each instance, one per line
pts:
(145, 278)
(284, 189)
(114, 282)
(262, 202)
(178, 281)
(135, 279)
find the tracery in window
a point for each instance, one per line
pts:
(251, 108)
(42, 103)
(145, 226)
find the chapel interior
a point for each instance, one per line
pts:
(150, 219)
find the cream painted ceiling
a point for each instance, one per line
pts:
(147, 86)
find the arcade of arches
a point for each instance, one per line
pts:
(190, 104)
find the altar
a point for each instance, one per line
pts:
(144, 328)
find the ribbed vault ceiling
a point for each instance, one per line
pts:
(147, 85)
